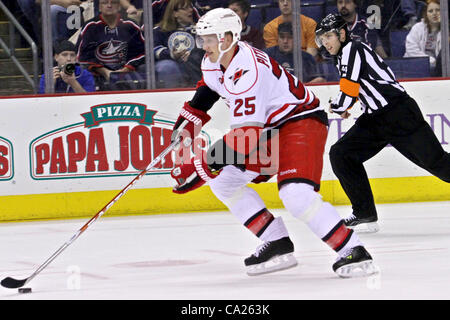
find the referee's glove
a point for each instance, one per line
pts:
(333, 106)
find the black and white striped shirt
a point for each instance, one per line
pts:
(365, 77)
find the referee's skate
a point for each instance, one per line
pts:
(362, 225)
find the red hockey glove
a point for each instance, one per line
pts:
(192, 175)
(196, 119)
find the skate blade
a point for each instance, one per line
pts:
(370, 227)
(356, 270)
(278, 263)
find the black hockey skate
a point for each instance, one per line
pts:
(271, 256)
(355, 263)
(362, 225)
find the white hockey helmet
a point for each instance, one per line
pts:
(219, 21)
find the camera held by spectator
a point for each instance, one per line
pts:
(68, 68)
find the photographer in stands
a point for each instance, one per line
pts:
(68, 76)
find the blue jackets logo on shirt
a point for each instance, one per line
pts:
(112, 53)
(180, 40)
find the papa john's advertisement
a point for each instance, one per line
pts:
(87, 143)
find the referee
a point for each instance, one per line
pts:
(390, 116)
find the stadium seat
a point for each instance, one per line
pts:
(330, 9)
(420, 5)
(271, 13)
(416, 67)
(315, 10)
(267, 2)
(254, 18)
(397, 39)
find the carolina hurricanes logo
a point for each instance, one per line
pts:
(237, 75)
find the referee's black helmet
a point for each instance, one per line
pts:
(332, 22)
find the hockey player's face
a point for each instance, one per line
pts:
(210, 44)
(331, 42)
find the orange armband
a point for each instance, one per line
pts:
(348, 87)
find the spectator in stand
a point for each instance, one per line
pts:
(58, 16)
(67, 75)
(250, 35)
(159, 7)
(283, 54)
(424, 39)
(357, 26)
(176, 55)
(112, 48)
(308, 27)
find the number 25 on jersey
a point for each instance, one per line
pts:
(249, 107)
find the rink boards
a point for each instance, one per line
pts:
(67, 156)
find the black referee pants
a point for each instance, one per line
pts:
(401, 125)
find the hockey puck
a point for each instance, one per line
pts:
(24, 290)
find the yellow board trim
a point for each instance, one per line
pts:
(162, 200)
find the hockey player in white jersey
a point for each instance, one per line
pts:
(268, 102)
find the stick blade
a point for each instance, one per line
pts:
(13, 283)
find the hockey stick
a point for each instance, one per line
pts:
(9, 282)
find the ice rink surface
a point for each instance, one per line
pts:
(200, 256)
